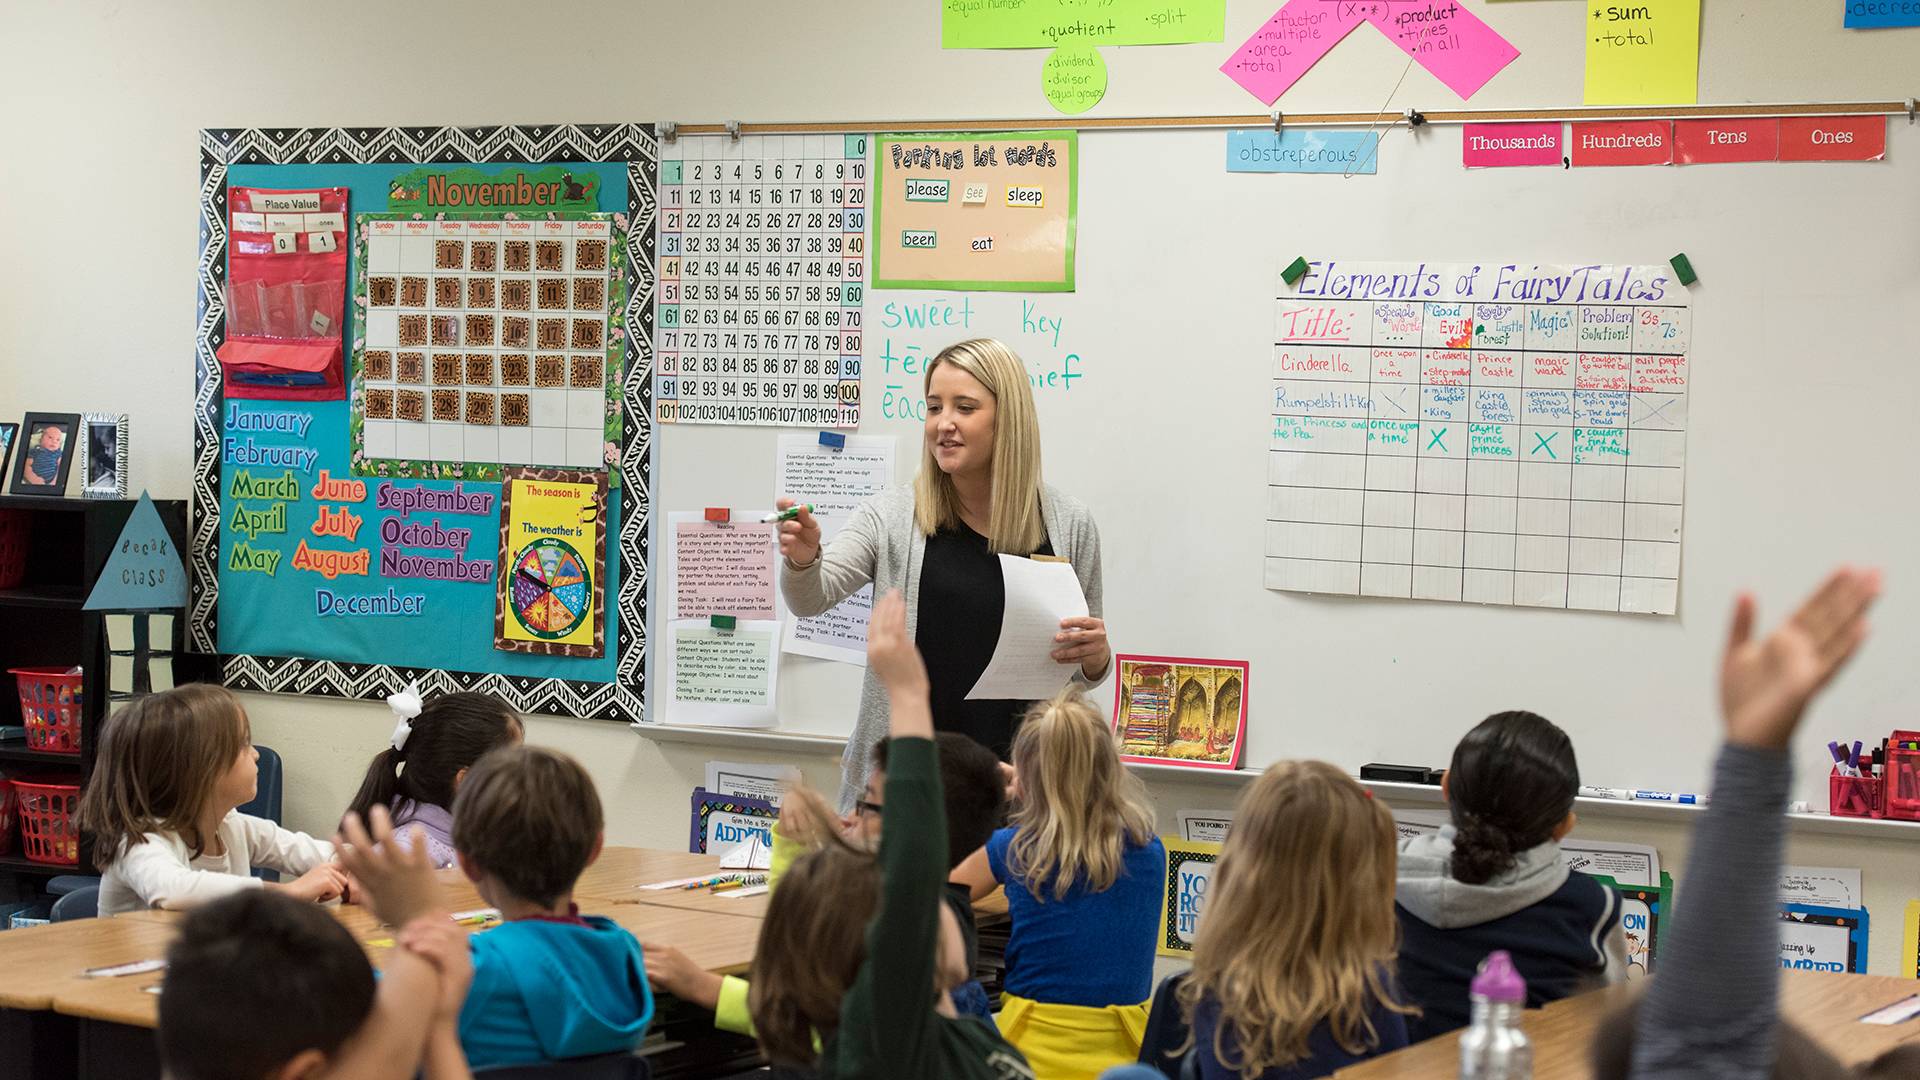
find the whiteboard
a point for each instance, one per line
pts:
(1802, 394)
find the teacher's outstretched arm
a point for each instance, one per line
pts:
(814, 578)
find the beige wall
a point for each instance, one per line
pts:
(102, 102)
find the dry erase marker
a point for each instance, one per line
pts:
(1637, 795)
(790, 513)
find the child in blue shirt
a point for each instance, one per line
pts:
(548, 984)
(1083, 873)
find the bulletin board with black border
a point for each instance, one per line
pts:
(279, 636)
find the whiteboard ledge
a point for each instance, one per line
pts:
(790, 741)
(1429, 795)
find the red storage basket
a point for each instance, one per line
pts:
(1855, 796)
(49, 821)
(50, 704)
(6, 816)
(15, 532)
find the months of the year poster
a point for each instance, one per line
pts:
(762, 263)
(1497, 434)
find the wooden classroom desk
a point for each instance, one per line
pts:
(1826, 1006)
(43, 961)
(715, 938)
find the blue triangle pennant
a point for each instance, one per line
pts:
(144, 572)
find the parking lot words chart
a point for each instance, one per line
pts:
(762, 261)
(487, 340)
(1490, 433)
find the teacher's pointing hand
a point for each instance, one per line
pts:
(799, 538)
(1083, 641)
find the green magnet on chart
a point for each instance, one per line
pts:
(1683, 269)
(723, 622)
(1295, 270)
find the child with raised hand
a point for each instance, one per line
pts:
(172, 769)
(1084, 874)
(1293, 964)
(1494, 879)
(261, 986)
(434, 745)
(973, 788)
(1713, 1008)
(860, 952)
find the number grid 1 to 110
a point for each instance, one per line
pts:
(762, 271)
(1526, 454)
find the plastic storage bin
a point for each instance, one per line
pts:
(50, 704)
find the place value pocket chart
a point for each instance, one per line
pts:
(1497, 434)
(763, 257)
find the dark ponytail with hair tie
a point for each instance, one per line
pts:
(451, 733)
(1512, 782)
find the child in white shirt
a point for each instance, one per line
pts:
(172, 769)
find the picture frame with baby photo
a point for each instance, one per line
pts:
(45, 455)
(103, 456)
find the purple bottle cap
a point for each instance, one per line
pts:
(1498, 980)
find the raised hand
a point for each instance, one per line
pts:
(397, 881)
(891, 652)
(1765, 683)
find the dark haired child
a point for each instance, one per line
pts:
(433, 747)
(1494, 879)
(262, 986)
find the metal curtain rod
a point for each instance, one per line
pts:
(1361, 119)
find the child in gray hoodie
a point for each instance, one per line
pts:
(1494, 879)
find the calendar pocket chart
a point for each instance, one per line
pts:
(762, 259)
(1497, 434)
(486, 340)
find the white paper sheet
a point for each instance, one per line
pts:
(1824, 886)
(752, 853)
(752, 780)
(1626, 864)
(1205, 826)
(836, 481)
(720, 678)
(734, 572)
(1039, 595)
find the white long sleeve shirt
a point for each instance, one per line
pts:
(162, 873)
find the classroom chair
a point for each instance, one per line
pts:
(1166, 1029)
(266, 799)
(622, 1066)
(82, 903)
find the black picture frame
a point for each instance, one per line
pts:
(9, 437)
(30, 428)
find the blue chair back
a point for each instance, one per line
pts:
(1166, 1029)
(621, 1066)
(266, 799)
(82, 903)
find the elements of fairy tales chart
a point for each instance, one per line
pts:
(1495, 434)
(488, 341)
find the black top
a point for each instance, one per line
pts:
(962, 600)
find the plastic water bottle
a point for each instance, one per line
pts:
(1493, 1047)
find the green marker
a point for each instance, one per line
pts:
(790, 513)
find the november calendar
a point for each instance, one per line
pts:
(762, 264)
(489, 340)
(1488, 433)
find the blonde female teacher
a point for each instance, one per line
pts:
(978, 496)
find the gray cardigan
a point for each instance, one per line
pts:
(882, 544)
